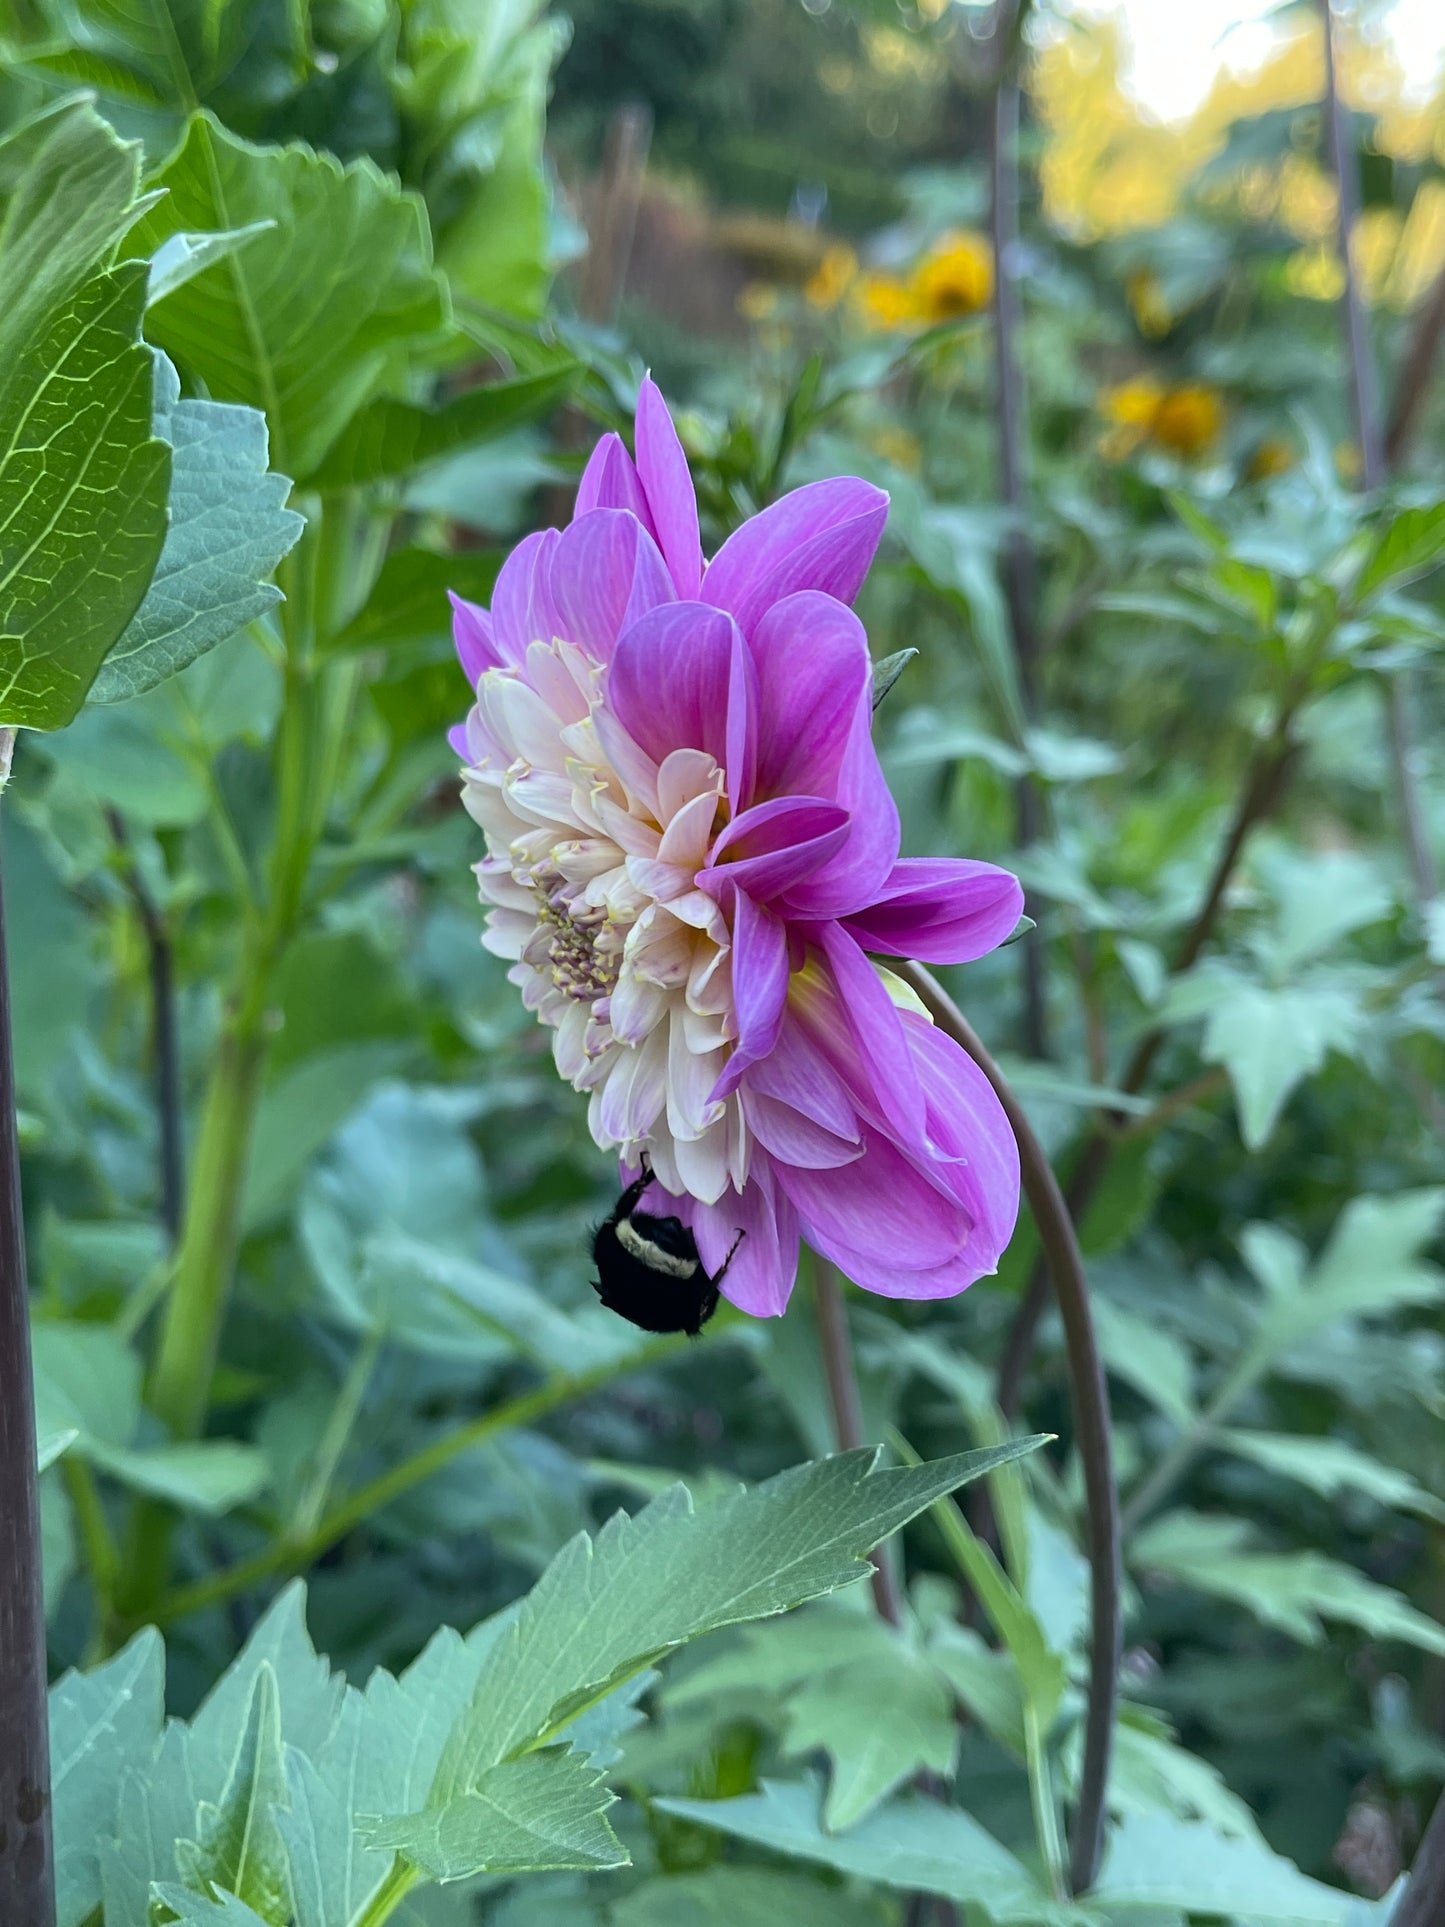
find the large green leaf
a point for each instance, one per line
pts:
(742, 1897)
(229, 527)
(605, 1608)
(1269, 1039)
(83, 485)
(238, 1846)
(911, 1843)
(408, 603)
(390, 438)
(1155, 1861)
(310, 319)
(541, 1812)
(99, 1723)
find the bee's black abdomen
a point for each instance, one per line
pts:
(654, 1299)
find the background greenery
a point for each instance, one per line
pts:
(307, 1206)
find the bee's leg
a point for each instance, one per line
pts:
(632, 1196)
(717, 1280)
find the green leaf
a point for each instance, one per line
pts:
(1148, 1358)
(408, 603)
(1155, 1861)
(541, 1812)
(238, 1845)
(181, 257)
(1411, 545)
(53, 1444)
(1321, 901)
(1268, 1040)
(888, 670)
(391, 438)
(99, 1722)
(309, 321)
(604, 1609)
(878, 1725)
(911, 1843)
(85, 487)
(1295, 1591)
(209, 1477)
(1330, 1467)
(68, 188)
(741, 1897)
(229, 527)
(189, 1909)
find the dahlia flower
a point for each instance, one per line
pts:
(692, 862)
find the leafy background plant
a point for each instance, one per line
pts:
(306, 1206)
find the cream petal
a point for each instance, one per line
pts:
(682, 775)
(688, 834)
(702, 1164)
(519, 719)
(636, 1007)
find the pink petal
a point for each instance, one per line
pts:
(772, 848)
(967, 1123)
(681, 678)
(822, 536)
(940, 910)
(605, 573)
(472, 634)
(663, 468)
(879, 1212)
(522, 608)
(811, 654)
(854, 1022)
(760, 985)
(759, 1279)
(792, 1138)
(609, 481)
(853, 878)
(797, 1074)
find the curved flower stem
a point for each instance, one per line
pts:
(27, 1888)
(1091, 1424)
(837, 1349)
(1268, 775)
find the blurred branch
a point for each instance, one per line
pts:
(1268, 776)
(27, 1888)
(1011, 405)
(1414, 382)
(838, 1367)
(1423, 1902)
(1372, 454)
(1091, 1430)
(169, 1119)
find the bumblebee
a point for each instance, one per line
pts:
(649, 1270)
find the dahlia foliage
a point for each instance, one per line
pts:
(692, 858)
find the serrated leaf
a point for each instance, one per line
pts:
(1154, 1860)
(155, 1808)
(911, 1843)
(1330, 1467)
(539, 1813)
(1269, 1040)
(651, 1582)
(229, 527)
(307, 321)
(877, 1725)
(188, 1909)
(84, 484)
(1147, 1357)
(741, 1897)
(99, 1722)
(1295, 1591)
(389, 439)
(238, 1846)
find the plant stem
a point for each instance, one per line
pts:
(1414, 383)
(169, 1116)
(294, 1555)
(1190, 1442)
(27, 1879)
(101, 1558)
(837, 1348)
(1268, 774)
(339, 1427)
(1423, 1902)
(1091, 1426)
(1365, 393)
(1011, 408)
(389, 1896)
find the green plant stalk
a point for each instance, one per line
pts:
(1041, 1800)
(98, 1545)
(1191, 1442)
(179, 1391)
(294, 1555)
(389, 1896)
(339, 1427)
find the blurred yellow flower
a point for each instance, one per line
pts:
(885, 302)
(757, 301)
(1316, 274)
(832, 277)
(1185, 420)
(1273, 456)
(1152, 315)
(897, 445)
(1188, 419)
(955, 278)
